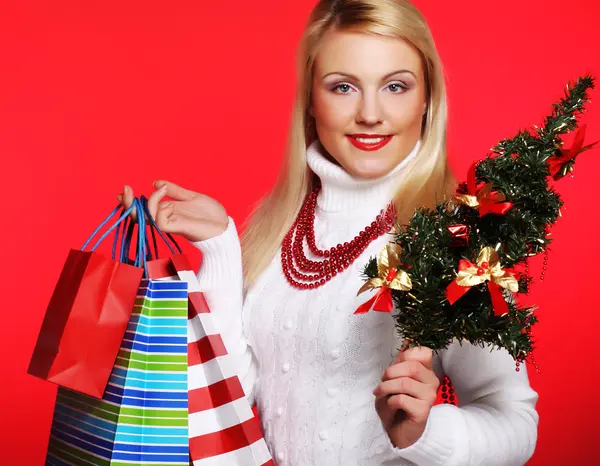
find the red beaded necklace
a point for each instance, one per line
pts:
(295, 263)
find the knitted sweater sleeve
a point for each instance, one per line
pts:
(496, 422)
(221, 280)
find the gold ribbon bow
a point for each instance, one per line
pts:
(389, 277)
(486, 269)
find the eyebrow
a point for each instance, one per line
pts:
(357, 79)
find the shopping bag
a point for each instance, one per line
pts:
(142, 418)
(224, 430)
(86, 317)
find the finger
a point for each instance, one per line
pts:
(128, 200)
(175, 191)
(170, 220)
(406, 386)
(154, 200)
(412, 369)
(415, 409)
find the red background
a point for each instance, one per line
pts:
(95, 94)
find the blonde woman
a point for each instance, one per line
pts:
(368, 131)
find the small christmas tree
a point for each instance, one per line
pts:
(453, 270)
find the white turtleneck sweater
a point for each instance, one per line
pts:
(310, 364)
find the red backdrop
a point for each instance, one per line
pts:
(200, 93)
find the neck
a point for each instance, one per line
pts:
(341, 191)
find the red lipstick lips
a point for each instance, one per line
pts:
(369, 146)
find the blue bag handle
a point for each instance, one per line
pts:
(126, 240)
(127, 232)
(141, 256)
(118, 222)
(117, 232)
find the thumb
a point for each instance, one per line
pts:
(420, 354)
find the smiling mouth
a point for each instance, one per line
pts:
(369, 142)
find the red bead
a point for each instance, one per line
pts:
(485, 265)
(480, 271)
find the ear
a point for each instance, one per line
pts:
(424, 108)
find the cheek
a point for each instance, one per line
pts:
(332, 111)
(405, 115)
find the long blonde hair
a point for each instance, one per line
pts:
(428, 179)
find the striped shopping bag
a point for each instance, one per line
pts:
(224, 429)
(143, 415)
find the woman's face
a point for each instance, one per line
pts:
(368, 101)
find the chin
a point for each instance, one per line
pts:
(369, 171)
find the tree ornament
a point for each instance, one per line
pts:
(487, 269)
(459, 235)
(389, 277)
(561, 164)
(481, 196)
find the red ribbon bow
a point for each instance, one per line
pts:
(481, 196)
(561, 164)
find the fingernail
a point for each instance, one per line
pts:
(163, 188)
(376, 391)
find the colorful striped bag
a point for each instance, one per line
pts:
(143, 415)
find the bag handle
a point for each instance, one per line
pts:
(116, 239)
(106, 220)
(141, 251)
(124, 227)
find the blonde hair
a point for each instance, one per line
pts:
(428, 179)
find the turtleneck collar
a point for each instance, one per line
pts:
(343, 192)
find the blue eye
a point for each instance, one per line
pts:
(398, 88)
(342, 87)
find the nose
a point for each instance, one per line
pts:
(369, 110)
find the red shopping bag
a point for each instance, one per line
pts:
(86, 319)
(223, 428)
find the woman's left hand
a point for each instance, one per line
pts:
(406, 394)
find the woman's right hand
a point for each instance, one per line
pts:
(194, 216)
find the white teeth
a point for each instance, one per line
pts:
(369, 140)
